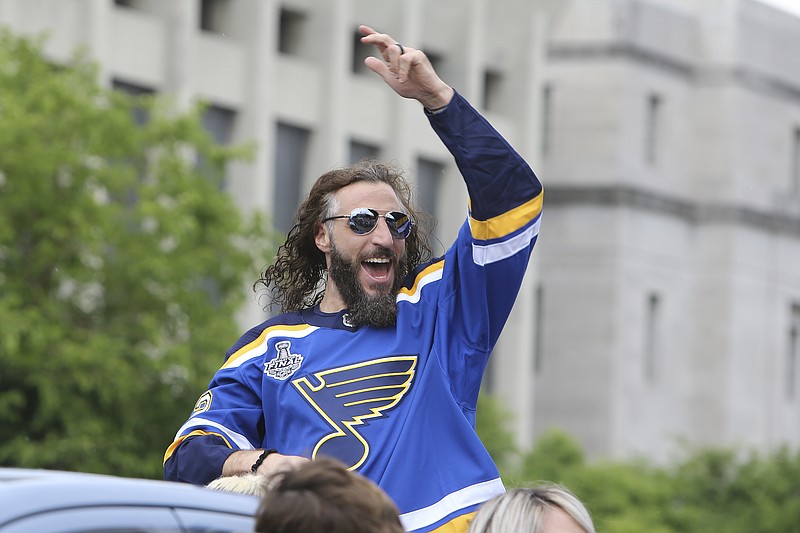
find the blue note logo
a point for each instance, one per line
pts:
(350, 396)
(285, 364)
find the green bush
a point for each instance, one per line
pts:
(708, 490)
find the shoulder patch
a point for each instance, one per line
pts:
(203, 403)
(285, 363)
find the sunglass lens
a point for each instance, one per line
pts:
(399, 224)
(363, 221)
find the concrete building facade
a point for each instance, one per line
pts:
(670, 264)
(663, 301)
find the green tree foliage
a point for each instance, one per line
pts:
(122, 266)
(491, 425)
(555, 454)
(739, 492)
(709, 490)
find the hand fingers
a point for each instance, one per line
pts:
(392, 52)
(390, 75)
(366, 30)
(395, 69)
(377, 66)
(382, 41)
(403, 68)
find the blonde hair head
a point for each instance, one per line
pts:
(254, 484)
(523, 510)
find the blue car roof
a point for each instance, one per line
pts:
(29, 491)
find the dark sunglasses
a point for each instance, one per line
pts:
(363, 220)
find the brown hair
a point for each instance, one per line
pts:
(322, 496)
(294, 279)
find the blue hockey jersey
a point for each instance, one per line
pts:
(395, 404)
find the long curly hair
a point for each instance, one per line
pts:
(295, 280)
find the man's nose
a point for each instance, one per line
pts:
(381, 234)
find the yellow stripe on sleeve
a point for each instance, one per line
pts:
(508, 222)
(195, 433)
(247, 348)
(422, 275)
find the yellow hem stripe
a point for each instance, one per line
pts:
(459, 524)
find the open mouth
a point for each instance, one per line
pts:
(379, 269)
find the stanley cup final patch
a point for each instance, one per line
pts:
(285, 363)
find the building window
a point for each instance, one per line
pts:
(359, 151)
(290, 32)
(652, 127)
(291, 152)
(140, 114)
(131, 88)
(547, 118)
(360, 52)
(437, 61)
(213, 15)
(793, 352)
(219, 122)
(429, 179)
(538, 317)
(492, 84)
(429, 183)
(795, 177)
(651, 336)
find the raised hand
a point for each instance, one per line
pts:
(406, 70)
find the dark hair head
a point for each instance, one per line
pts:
(294, 278)
(322, 496)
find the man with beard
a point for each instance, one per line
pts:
(379, 363)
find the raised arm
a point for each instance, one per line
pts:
(484, 268)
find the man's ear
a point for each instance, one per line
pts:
(322, 239)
